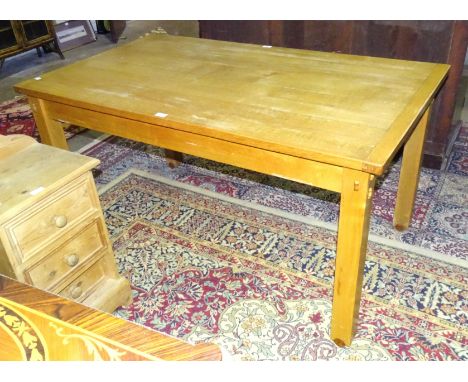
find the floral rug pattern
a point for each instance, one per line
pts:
(260, 285)
(16, 118)
(440, 216)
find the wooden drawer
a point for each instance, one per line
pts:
(51, 218)
(83, 285)
(78, 251)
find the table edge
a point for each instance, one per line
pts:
(316, 156)
(380, 156)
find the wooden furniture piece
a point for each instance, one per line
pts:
(117, 27)
(52, 231)
(37, 325)
(17, 36)
(324, 119)
(433, 41)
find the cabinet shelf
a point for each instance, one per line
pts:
(17, 36)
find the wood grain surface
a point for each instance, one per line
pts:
(440, 41)
(326, 107)
(57, 322)
(22, 174)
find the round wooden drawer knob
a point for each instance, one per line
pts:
(72, 260)
(60, 221)
(76, 292)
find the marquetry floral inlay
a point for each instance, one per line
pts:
(33, 348)
(98, 350)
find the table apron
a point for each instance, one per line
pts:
(285, 166)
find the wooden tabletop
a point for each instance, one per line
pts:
(350, 111)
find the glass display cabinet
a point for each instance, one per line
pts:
(17, 36)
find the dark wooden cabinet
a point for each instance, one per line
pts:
(116, 29)
(433, 41)
(17, 36)
(10, 40)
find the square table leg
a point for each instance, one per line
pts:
(409, 174)
(353, 230)
(51, 131)
(173, 158)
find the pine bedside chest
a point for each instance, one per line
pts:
(52, 231)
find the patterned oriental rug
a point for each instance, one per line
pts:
(16, 118)
(438, 228)
(208, 267)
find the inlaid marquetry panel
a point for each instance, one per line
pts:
(29, 335)
(38, 325)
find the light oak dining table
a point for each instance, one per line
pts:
(328, 120)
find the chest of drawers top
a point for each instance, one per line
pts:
(28, 170)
